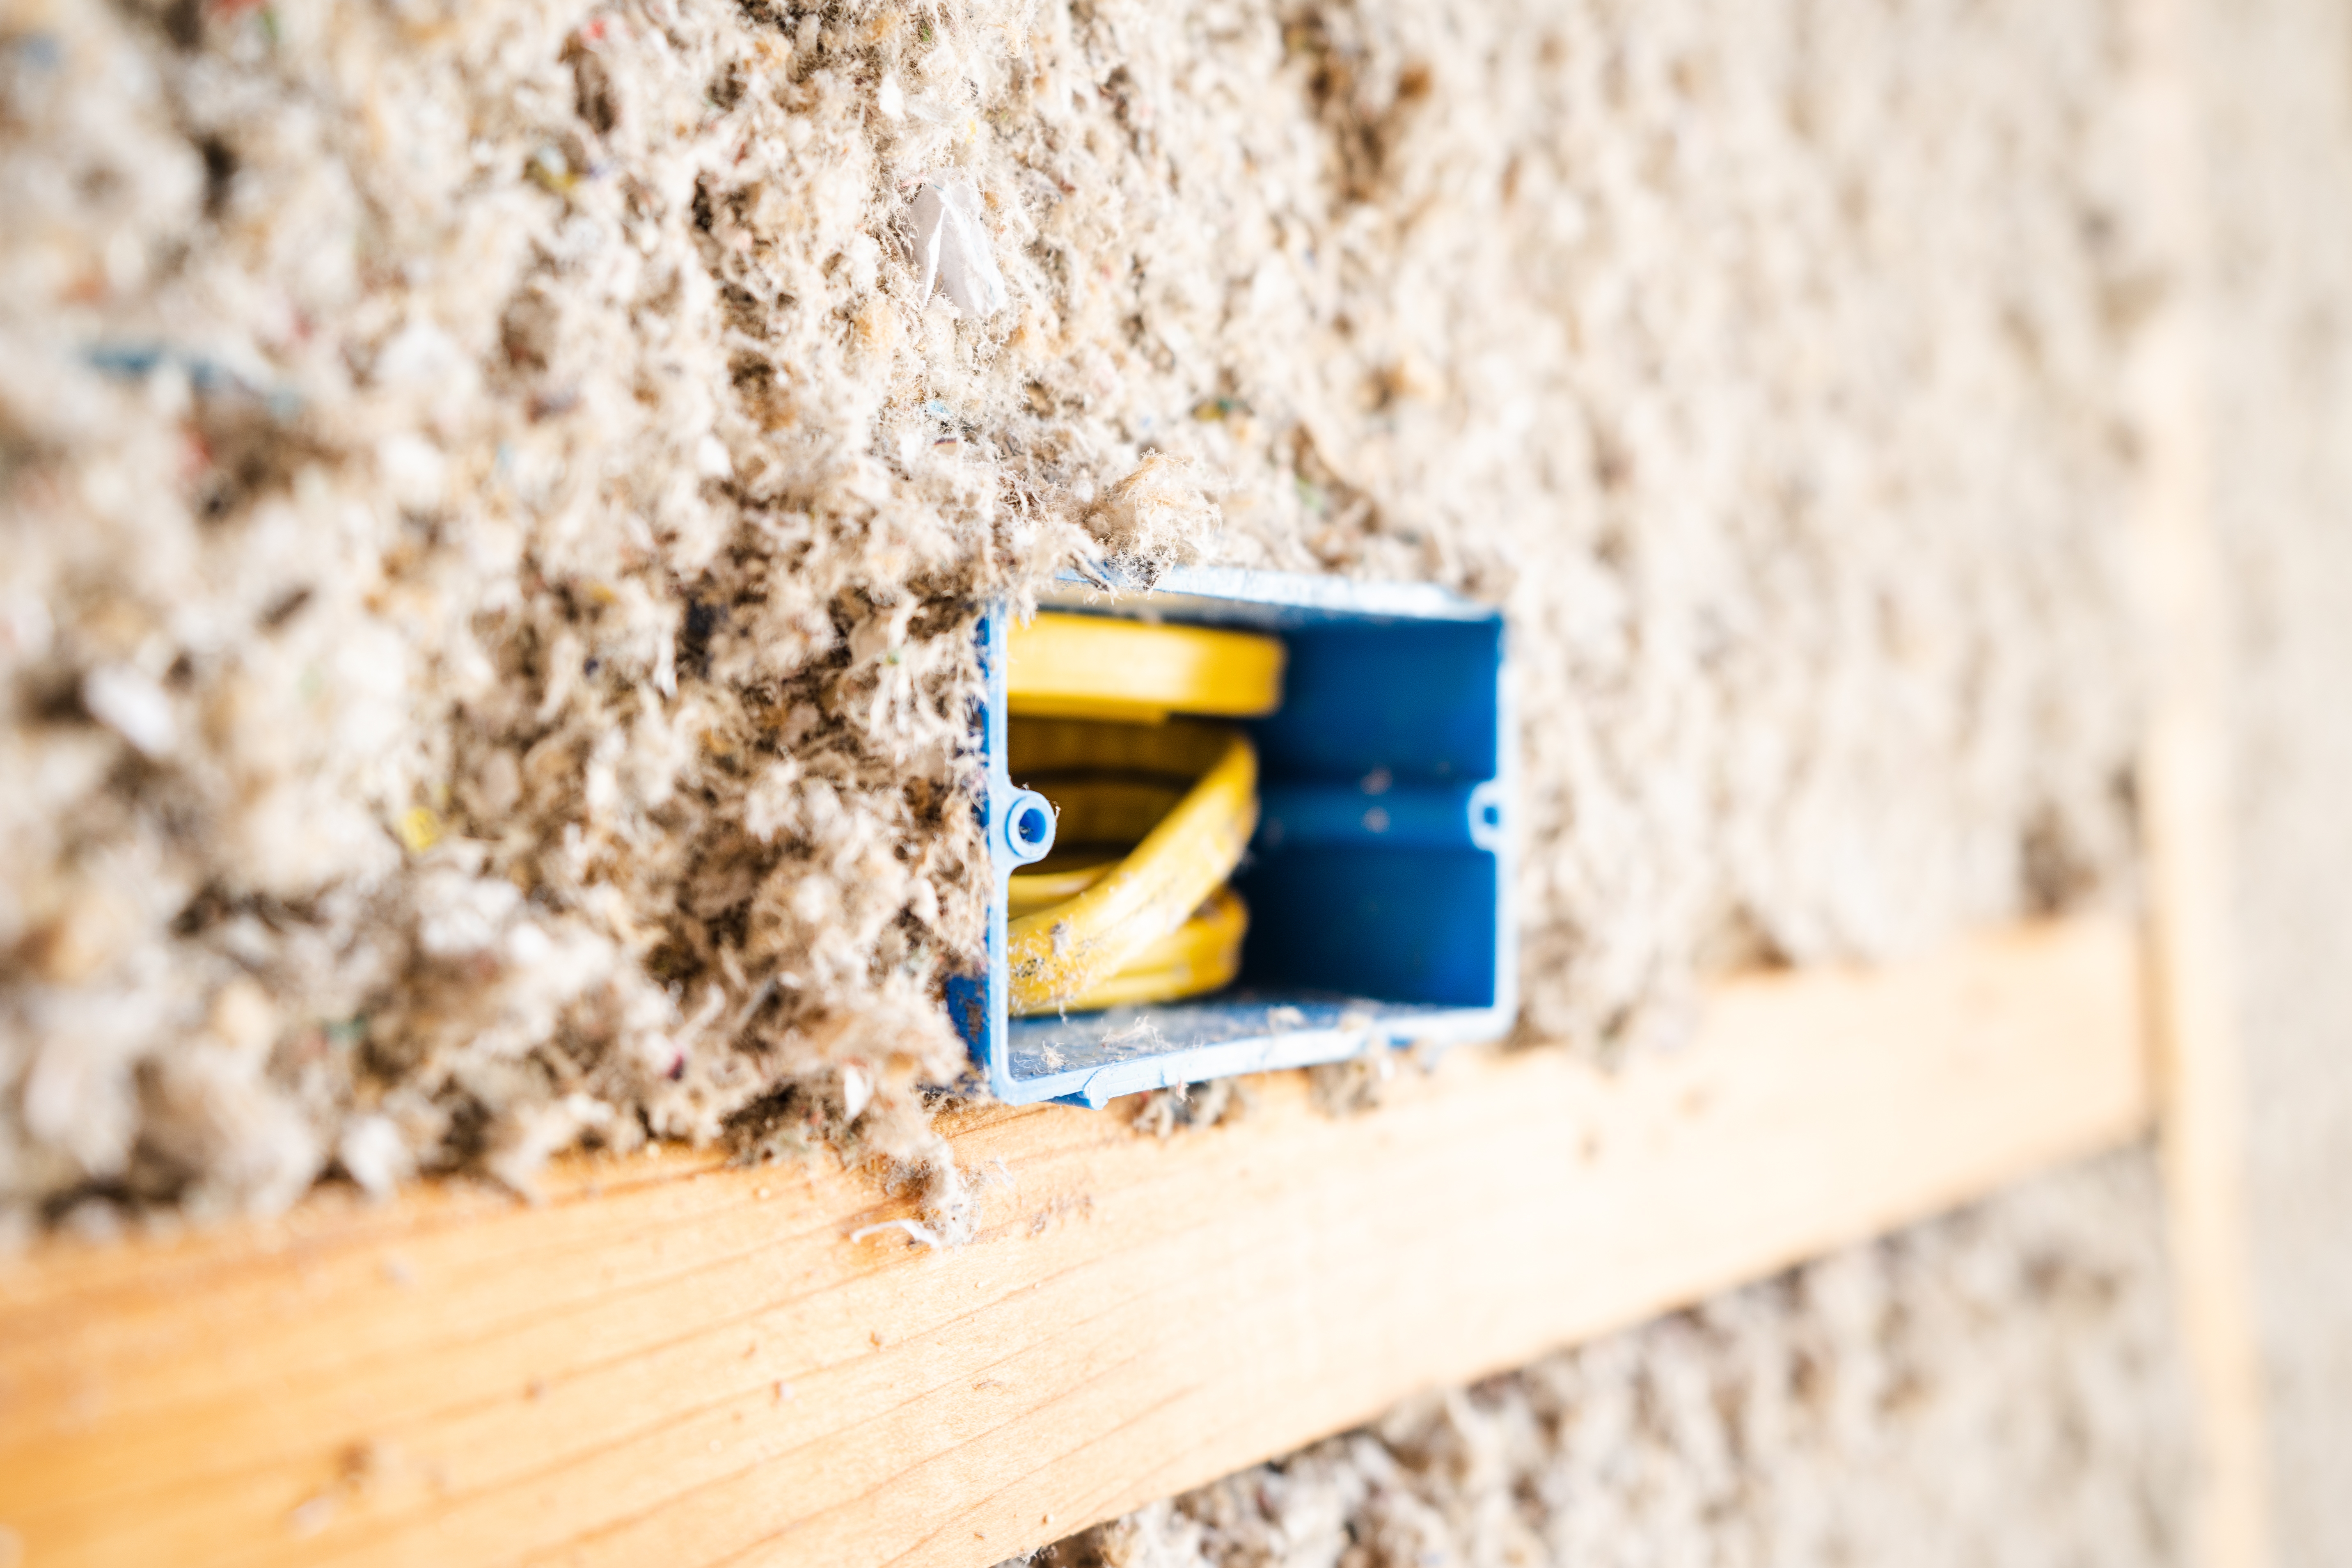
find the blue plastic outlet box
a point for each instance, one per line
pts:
(1379, 883)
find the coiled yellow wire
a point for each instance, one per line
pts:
(1100, 924)
(1088, 666)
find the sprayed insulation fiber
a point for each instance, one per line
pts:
(492, 533)
(1997, 1387)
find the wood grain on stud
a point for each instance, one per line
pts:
(669, 1362)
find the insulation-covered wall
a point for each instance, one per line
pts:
(492, 534)
(493, 531)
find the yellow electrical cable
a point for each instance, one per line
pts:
(1098, 923)
(1091, 667)
(1026, 892)
(1103, 818)
(1178, 749)
(1143, 771)
(1117, 809)
(1060, 954)
(1202, 954)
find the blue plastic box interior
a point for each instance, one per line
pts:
(1378, 882)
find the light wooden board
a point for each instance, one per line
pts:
(669, 1362)
(2185, 806)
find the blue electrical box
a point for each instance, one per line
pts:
(1379, 883)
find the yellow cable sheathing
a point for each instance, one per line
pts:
(1202, 954)
(1090, 667)
(1117, 809)
(1178, 749)
(1061, 954)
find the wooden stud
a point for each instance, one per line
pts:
(671, 1362)
(2184, 818)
